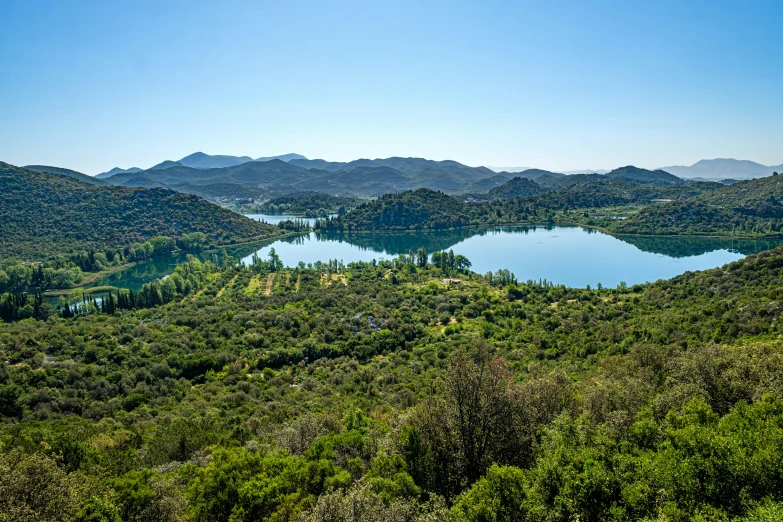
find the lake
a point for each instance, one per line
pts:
(274, 219)
(573, 256)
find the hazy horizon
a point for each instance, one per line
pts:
(562, 86)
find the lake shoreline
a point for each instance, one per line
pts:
(91, 277)
(553, 224)
(514, 252)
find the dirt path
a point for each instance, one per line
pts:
(220, 293)
(269, 284)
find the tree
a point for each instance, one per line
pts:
(97, 509)
(497, 496)
(34, 489)
(454, 438)
(9, 401)
(275, 263)
(361, 502)
(421, 257)
(462, 263)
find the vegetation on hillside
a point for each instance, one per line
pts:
(426, 209)
(516, 188)
(67, 172)
(747, 208)
(631, 174)
(45, 215)
(308, 204)
(400, 390)
(411, 210)
(759, 197)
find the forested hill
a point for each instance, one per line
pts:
(313, 204)
(631, 174)
(43, 214)
(515, 188)
(427, 209)
(66, 172)
(762, 196)
(411, 210)
(747, 208)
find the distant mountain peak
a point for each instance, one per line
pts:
(195, 155)
(117, 170)
(723, 168)
(282, 157)
(201, 160)
(166, 165)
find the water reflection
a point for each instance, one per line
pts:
(569, 255)
(695, 246)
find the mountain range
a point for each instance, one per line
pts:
(522, 169)
(265, 177)
(223, 178)
(200, 160)
(707, 169)
(724, 168)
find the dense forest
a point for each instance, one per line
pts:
(747, 209)
(399, 390)
(66, 172)
(591, 203)
(308, 204)
(44, 215)
(516, 188)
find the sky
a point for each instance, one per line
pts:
(560, 85)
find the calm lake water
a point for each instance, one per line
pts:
(572, 256)
(275, 219)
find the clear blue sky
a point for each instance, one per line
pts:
(91, 85)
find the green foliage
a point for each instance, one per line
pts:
(425, 209)
(43, 215)
(238, 485)
(498, 496)
(97, 509)
(384, 390)
(516, 188)
(631, 174)
(66, 172)
(309, 204)
(34, 489)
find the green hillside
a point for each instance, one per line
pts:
(313, 204)
(426, 209)
(412, 210)
(220, 192)
(631, 174)
(357, 393)
(761, 197)
(516, 188)
(679, 217)
(43, 214)
(67, 172)
(747, 208)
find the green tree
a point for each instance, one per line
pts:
(97, 509)
(275, 263)
(499, 496)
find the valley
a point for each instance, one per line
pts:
(320, 349)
